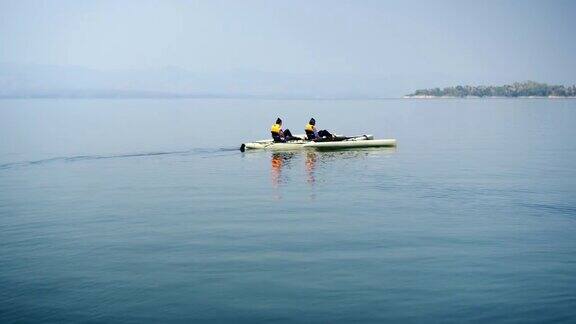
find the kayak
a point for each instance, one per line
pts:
(346, 143)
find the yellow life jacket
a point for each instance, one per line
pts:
(276, 128)
(309, 128)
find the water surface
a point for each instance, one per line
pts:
(136, 211)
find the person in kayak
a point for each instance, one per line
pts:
(313, 134)
(279, 135)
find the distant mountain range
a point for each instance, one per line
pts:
(518, 89)
(41, 81)
(45, 81)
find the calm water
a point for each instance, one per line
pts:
(135, 211)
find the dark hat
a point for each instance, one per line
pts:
(278, 121)
(312, 121)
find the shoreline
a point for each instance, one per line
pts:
(270, 98)
(491, 97)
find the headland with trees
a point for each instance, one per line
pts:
(527, 89)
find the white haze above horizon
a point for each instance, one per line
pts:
(291, 48)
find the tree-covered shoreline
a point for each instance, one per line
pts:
(515, 90)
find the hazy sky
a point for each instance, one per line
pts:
(476, 41)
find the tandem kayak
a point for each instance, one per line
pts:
(346, 143)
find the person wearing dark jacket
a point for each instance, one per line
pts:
(313, 134)
(279, 135)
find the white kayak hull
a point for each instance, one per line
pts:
(296, 145)
(354, 142)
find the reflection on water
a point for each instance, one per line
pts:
(311, 158)
(279, 161)
(314, 163)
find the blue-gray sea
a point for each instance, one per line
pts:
(145, 211)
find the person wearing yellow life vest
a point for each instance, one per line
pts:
(279, 135)
(313, 134)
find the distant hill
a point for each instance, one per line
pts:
(518, 89)
(46, 81)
